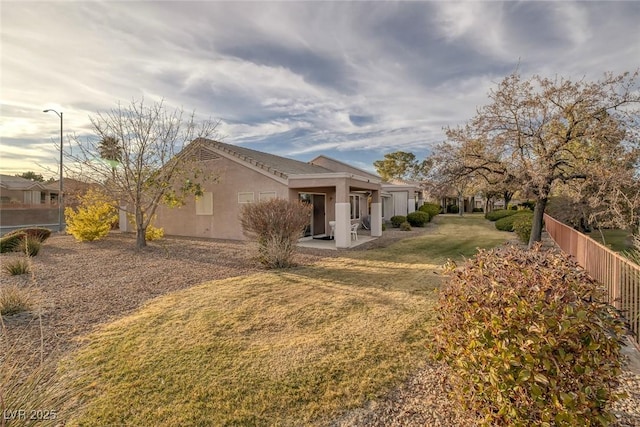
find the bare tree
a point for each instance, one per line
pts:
(138, 156)
(540, 132)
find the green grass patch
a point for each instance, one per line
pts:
(454, 237)
(277, 348)
(617, 240)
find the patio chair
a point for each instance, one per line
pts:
(332, 225)
(354, 230)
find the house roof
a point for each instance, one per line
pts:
(345, 166)
(277, 165)
(18, 183)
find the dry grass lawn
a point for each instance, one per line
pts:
(265, 349)
(301, 346)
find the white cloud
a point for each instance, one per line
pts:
(295, 72)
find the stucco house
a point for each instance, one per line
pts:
(340, 194)
(15, 190)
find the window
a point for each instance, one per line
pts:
(266, 195)
(204, 204)
(245, 197)
(355, 207)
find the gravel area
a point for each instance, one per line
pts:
(81, 285)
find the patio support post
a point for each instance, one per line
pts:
(343, 216)
(411, 202)
(376, 214)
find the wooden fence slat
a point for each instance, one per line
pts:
(619, 276)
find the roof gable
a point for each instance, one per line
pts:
(338, 166)
(18, 183)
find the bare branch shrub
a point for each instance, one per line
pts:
(276, 225)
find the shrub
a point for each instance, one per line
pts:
(397, 220)
(30, 246)
(39, 233)
(453, 209)
(506, 223)
(14, 300)
(26, 240)
(478, 210)
(93, 218)
(528, 339)
(276, 225)
(384, 226)
(17, 266)
(418, 218)
(522, 225)
(432, 209)
(405, 226)
(154, 233)
(11, 242)
(499, 214)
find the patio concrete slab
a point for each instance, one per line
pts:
(331, 244)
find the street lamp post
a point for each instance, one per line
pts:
(60, 189)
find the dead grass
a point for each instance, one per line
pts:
(267, 349)
(15, 299)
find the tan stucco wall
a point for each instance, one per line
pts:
(224, 223)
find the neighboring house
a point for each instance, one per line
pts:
(27, 203)
(18, 191)
(342, 194)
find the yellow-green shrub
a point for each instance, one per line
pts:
(432, 209)
(522, 225)
(506, 223)
(154, 233)
(93, 218)
(151, 233)
(529, 340)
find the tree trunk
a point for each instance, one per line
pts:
(460, 204)
(538, 218)
(507, 198)
(141, 230)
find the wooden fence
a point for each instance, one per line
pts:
(620, 277)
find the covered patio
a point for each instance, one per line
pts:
(339, 200)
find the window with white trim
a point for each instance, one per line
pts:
(204, 204)
(246, 197)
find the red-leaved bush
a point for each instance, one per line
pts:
(529, 340)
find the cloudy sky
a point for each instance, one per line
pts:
(349, 80)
